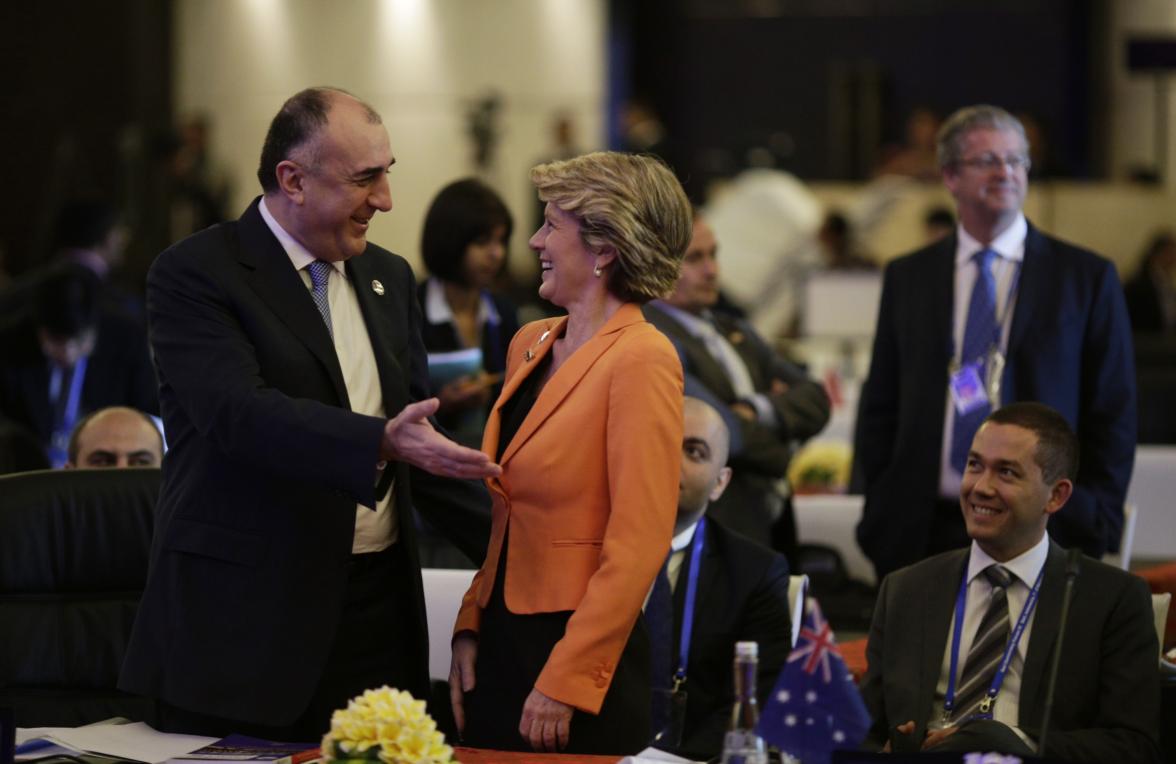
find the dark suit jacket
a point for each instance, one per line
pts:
(742, 595)
(118, 373)
(1069, 347)
(267, 461)
(759, 453)
(1107, 701)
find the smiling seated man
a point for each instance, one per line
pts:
(115, 437)
(931, 685)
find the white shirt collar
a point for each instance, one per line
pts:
(1010, 244)
(437, 310)
(299, 255)
(1025, 566)
(683, 539)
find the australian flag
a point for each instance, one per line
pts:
(815, 707)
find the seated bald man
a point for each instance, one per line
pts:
(115, 437)
(741, 594)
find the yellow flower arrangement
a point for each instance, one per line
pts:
(386, 725)
(820, 467)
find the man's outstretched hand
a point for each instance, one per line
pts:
(410, 437)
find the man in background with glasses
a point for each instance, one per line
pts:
(996, 313)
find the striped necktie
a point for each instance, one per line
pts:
(987, 648)
(320, 275)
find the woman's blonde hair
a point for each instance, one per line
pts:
(631, 203)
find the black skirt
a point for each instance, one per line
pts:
(512, 650)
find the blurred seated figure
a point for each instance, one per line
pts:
(464, 247)
(117, 437)
(88, 233)
(839, 247)
(768, 403)
(915, 157)
(19, 449)
(741, 594)
(67, 355)
(938, 222)
(1151, 292)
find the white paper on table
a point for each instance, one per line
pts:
(137, 741)
(656, 755)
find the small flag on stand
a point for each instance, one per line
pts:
(815, 707)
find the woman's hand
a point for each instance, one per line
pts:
(461, 674)
(545, 723)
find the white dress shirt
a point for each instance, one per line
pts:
(374, 531)
(1025, 569)
(1010, 249)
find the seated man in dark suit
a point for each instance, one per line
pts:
(68, 355)
(769, 404)
(934, 685)
(115, 437)
(742, 594)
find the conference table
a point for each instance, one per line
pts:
(480, 756)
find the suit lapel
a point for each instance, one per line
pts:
(1033, 284)
(940, 295)
(386, 333)
(1043, 638)
(939, 608)
(565, 379)
(701, 364)
(276, 282)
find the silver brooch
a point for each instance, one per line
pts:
(377, 287)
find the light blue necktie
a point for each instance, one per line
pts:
(320, 275)
(980, 333)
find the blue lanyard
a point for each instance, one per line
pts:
(1006, 659)
(691, 595)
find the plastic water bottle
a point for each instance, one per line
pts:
(743, 745)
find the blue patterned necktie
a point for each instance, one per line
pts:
(320, 275)
(979, 335)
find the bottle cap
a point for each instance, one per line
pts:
(746, 650)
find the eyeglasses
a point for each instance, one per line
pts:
(992, 162)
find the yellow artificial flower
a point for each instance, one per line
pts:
(389, 725)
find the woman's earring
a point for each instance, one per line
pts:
(597, 271)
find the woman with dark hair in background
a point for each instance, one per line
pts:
(464, 248)
(1151, 291)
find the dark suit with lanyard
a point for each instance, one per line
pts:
(728, 589)
(1107, 694)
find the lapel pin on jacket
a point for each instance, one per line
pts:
(529, 353)
(377, 287)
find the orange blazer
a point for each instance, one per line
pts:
(589, 488)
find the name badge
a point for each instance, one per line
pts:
(967, 388)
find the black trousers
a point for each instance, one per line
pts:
(371, 648)
(512, 650)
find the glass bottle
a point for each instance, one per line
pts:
(743, 744)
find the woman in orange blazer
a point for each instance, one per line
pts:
(548, 650)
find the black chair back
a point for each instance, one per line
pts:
(73, 561)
